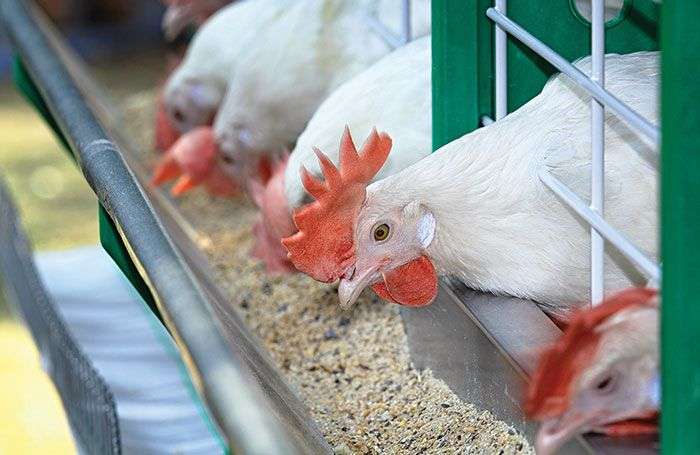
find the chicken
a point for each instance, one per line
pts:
(602, 375)
(181, 13)
(193, 161)
(297, 62)
(476, 208)
(195, 89)
(394, 93)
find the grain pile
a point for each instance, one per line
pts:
(351, 369)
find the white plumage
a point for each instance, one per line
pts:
(295, 64)
(195, 89)
(392, 95)
(498, 227)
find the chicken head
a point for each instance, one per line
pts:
(192, 160)
(602, 375)
(191, 103)
(342, 237)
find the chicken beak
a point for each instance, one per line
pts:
(183, 185)
(166, 170)
(554, 433)
(353, 283)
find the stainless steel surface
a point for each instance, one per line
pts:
(484, 347)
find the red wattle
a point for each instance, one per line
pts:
(646, 425)
(413, 284)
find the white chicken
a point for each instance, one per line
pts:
(394, 94)
(602, 375)
(477, 209)
(195, 89)
(296, 63)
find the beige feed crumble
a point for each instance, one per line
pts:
(351, 369)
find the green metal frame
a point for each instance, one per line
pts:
(680, 220)
(463, 93)
(463, 53)
(109, 235)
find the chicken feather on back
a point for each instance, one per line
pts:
(394, 94)
(295, 64)
(194, 91)
(477, 209)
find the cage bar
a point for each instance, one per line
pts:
(501, 65)
(406, 21)
(680, 228)
(608, 99)
(622, 243)
(597, 149)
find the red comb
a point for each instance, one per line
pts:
(561, 363)
(323, 248)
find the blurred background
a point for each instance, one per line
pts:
(123, 44)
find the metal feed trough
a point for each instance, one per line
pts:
(481, 345)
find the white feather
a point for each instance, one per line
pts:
(500, 229)
(393, 95)
(221, 41)
(295, 64)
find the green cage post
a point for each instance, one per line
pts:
(463, 42)
(680, 221)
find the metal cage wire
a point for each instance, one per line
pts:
(592, 213)
(87, 400)
(392, 39)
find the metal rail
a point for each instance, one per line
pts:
(600, 230)
(232, 398)
(597, 149)
(608, 99)
(501, 62)
(598, 223)
(392, 39)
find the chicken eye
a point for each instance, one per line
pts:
(605, 385)
(381, 232)
(179, 116)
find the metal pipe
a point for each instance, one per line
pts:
(384, 33)
(608, 99)
(501, 63)
(406, 21)
(233, 399)
(597, 150)
(486, 120)
(612, 235)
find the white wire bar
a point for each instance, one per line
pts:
(486, 120)
(612, 235)
(608, 99)
(394, 41)
(501, 62)
(597, 149)
(406, 22)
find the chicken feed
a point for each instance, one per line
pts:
(352, 369)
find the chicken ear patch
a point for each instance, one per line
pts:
(412, 284)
